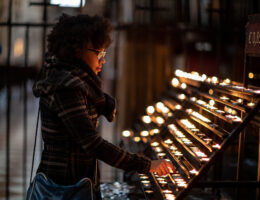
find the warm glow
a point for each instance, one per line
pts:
(201, 117)
(205, 159)
(200, 154)
(154, 131)
(143, 177)
(251, 104)
(178, 153)
(201, 102)
(187, 124)
(234, 118)
(193, 75)
(18, 47)
(161, 154)
(168, 141)
(175, 82)
(183, 85)
(178, 107)
(239, 100)
(211, 91)
(194, 171)
(167, 191)
(193, 98)
(179, 134)
(158, 149)
(126, 133)
(227, 81)
(145, 181)
(224, 98)
(150, 110)
(181, 96)
(172, 127)
(159, 120)
(182, 184)
(186, 141)
(159, 106)
(216, 146)
(154, 144)
(137, 139)
(204, 77)
(146, 119)
(165, 110)
(212, 102)
(169, 197)
(214, 79)
(250, 75)
(144, 133)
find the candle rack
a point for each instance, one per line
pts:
(195, 120)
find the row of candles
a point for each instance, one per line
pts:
(179, 134)
(213, 80)
(163, 183)
(158, 114)
(201, 135)
(230, 114)
(176, 83)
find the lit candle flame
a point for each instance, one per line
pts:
(181, 96)
(167, 191)
(193, 98)
(224, 98)
(183, 85)
(201, 102)
(144, 133)
(159, 120)
(201, 117)
(212, 102)
(175, 82)
(154, 131)
(143, 177)
(150, 110)
(178, 107)
(146, 119)
(159, 105)
(251, 104)
(214, 79)
(126, 133)
(194, 171)
(187, 124)
(168, 141)
(239, 100)
(169, 197)
(137, 139)
(165, 110)
(154, 144)
(158, 149)
(216, 146)
(161, 154)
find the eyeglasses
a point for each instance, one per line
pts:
(100, 54)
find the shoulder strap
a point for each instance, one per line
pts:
(35, 140)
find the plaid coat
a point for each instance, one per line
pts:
(71, 102)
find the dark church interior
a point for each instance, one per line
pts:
(186, 78)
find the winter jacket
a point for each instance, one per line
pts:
(71, 100)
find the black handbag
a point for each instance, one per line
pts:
(43, 188)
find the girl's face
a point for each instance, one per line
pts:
(94, 58)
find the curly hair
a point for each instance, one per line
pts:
(71, 33)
